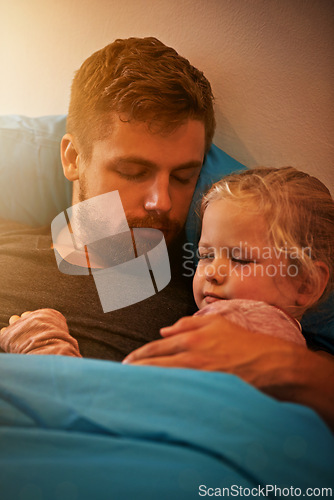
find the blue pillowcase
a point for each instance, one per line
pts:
(216, 165)
(34, 189)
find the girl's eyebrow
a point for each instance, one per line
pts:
(228, 249)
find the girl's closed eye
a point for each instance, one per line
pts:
(206, 256)
(243, 262)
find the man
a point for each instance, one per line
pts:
(140, 121)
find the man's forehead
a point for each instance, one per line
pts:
(133, 141)
(112, 122)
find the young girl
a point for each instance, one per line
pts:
(266, 256)
(267, 235)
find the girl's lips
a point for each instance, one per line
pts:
(211, 298)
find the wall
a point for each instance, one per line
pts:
(270, 62)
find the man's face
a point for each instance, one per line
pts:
(155, 174)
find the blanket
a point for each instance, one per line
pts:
(74, 428)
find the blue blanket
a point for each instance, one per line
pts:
(89, 429)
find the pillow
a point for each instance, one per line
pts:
(216, 165)
(34, 189)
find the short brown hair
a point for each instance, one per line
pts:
(141, 79)
(297, 207)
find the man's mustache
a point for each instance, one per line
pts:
(162, 222)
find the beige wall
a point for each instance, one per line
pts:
(270, 62)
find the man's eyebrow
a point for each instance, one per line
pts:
(190, 164)
(138, 160)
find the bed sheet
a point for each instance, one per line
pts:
(82, 429)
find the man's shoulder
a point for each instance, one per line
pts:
(15, 232)
(12, 226)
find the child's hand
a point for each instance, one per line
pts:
(43, 331)
(14, 318)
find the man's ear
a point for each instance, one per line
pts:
(310, 291)
(69, 157)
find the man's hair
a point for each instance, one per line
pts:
(298, 210)
(140, 79)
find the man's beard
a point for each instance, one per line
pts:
(170, 228)
(119, 248)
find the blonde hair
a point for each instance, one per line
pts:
(298, 209)
(139, 79)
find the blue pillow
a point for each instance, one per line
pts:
(34, 189)
(216, 165)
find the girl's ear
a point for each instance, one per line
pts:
(310, 291)
(69, 157)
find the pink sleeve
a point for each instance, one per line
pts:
(43, 331)
(257, 316)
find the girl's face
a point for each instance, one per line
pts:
(238, 262)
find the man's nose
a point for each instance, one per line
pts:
(157, 197)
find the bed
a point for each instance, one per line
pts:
(83, 428)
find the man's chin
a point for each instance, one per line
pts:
(153, 234)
